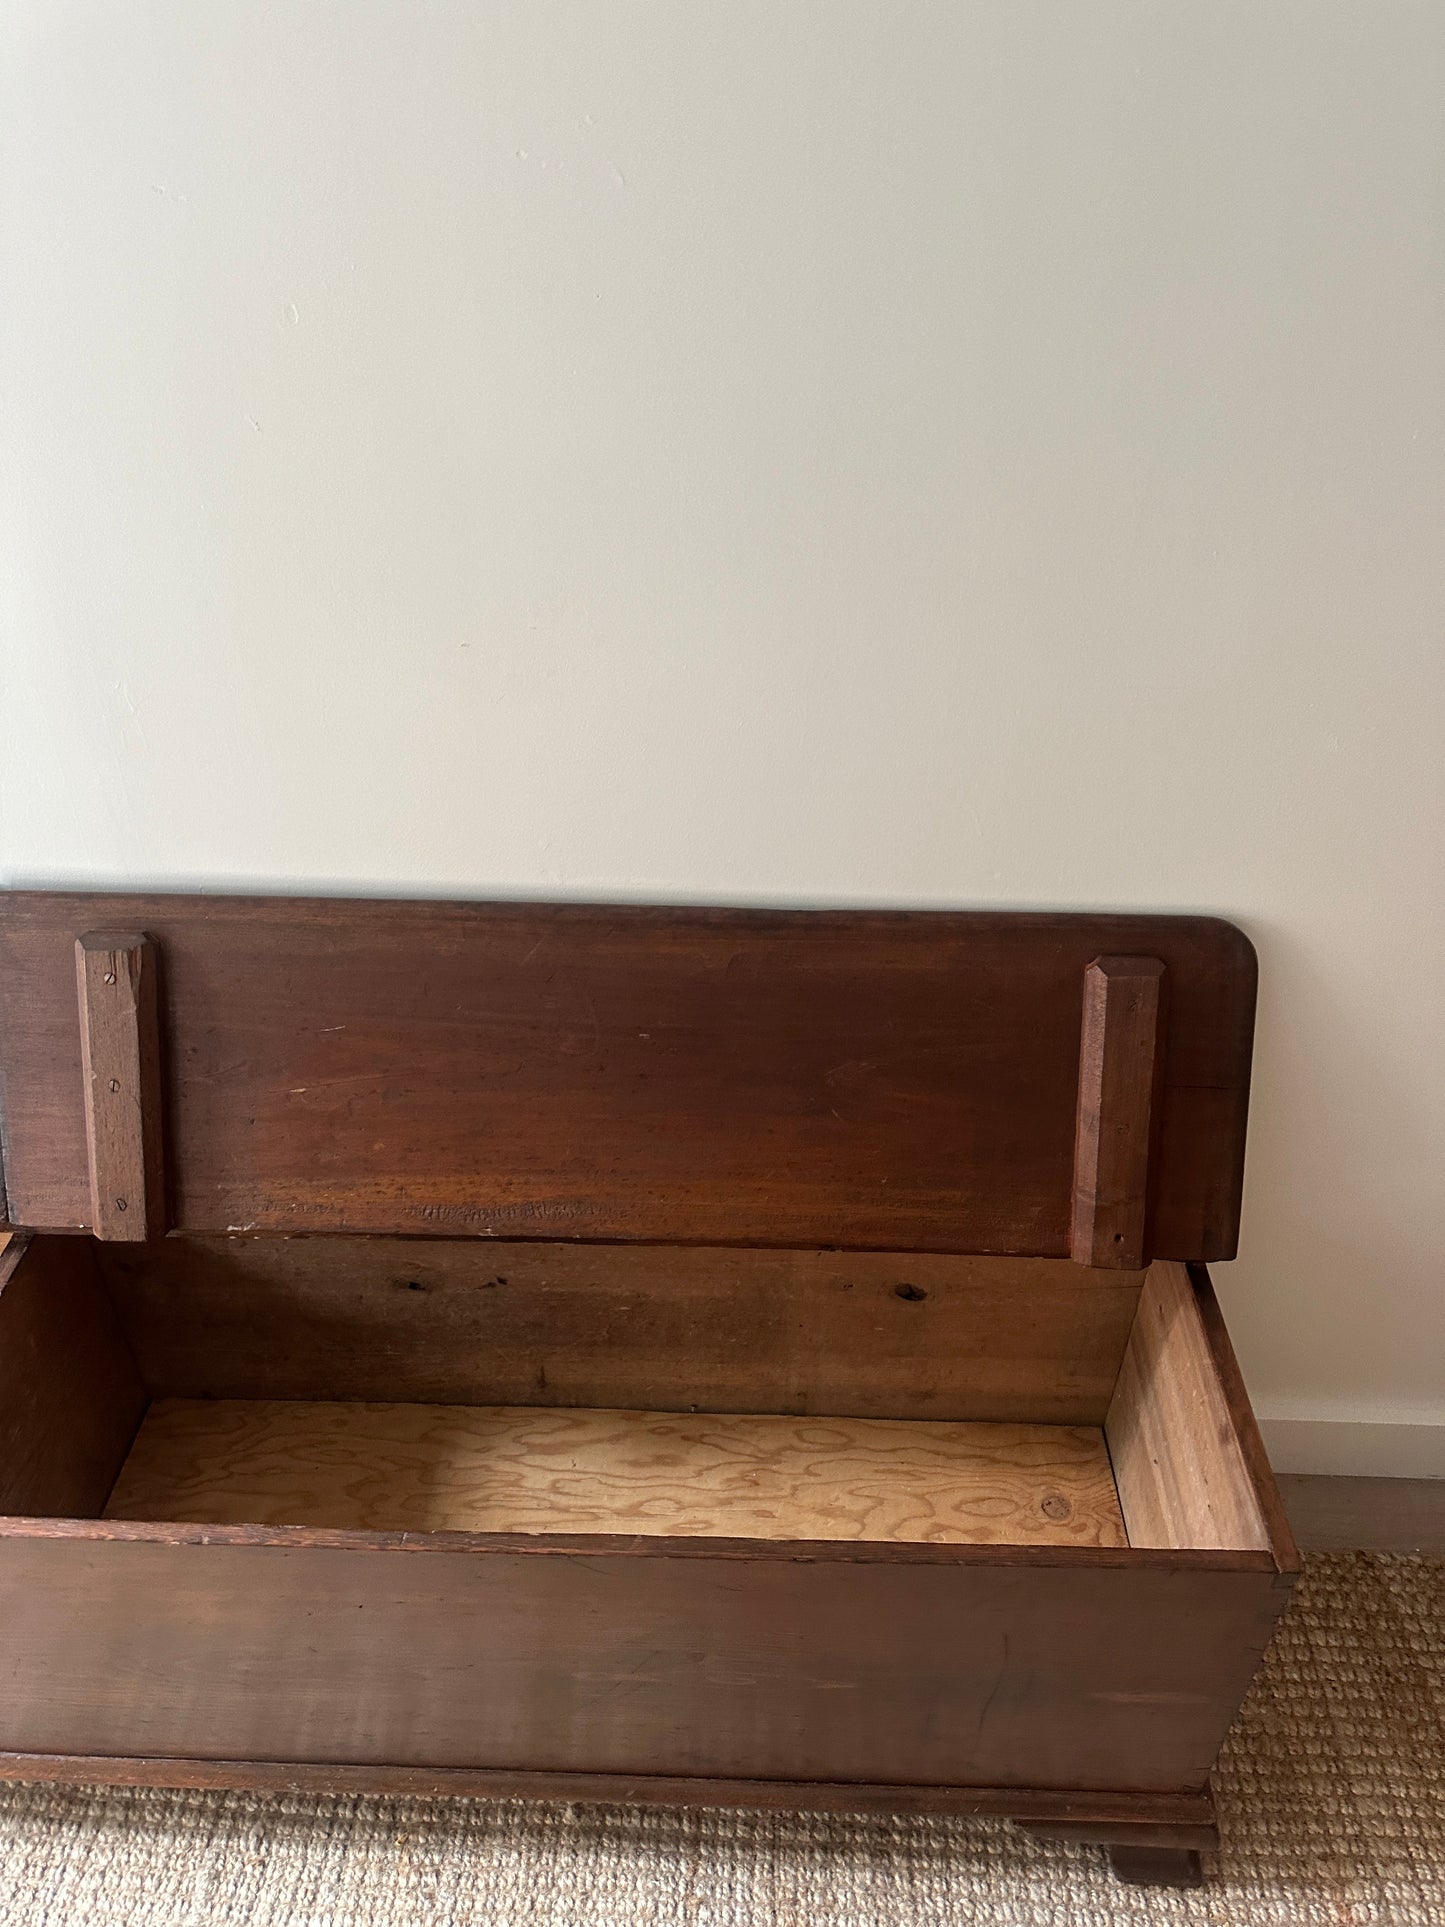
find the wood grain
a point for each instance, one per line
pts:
(1120, 1067)
(1181, 1474)
(70, 1395)
(705, 1328)
(429, 1468)
(1333, 1514)
(1050, 1812)
(116, 982)
(1069, 1667)
(1243, 1430)
(864, 1079)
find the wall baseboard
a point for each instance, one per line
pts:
(1353, 1448)
(1365, 1515)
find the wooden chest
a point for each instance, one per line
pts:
(625, 1353)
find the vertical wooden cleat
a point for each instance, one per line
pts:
(1120, 1059)
(117, 983)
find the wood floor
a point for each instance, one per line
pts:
(1334, 1514)
(514, 1469)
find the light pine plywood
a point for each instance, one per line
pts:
(507, 1469)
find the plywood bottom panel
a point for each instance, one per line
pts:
(504, 1469)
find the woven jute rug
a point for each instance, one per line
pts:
(1331, 1796)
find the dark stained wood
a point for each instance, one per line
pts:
(692, 1328)
(173, 1532)
(1149, 1866)
(70, 1396)
(730, 1151)
(1120, 1066)
(890, 1081)
(1097, 1815)
(116, 983)
(1081, 1671)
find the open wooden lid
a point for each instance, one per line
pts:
(931, 1081)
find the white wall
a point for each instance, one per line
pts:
(923, 452)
